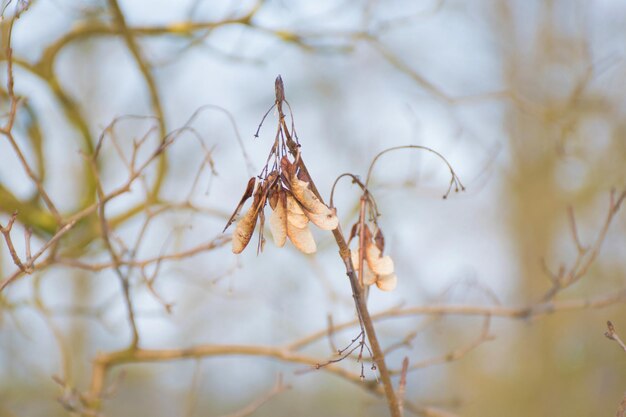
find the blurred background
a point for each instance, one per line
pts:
(526, 100)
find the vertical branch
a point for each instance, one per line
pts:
(124, 279)
(152, 88)
(7, 129)
(344, 253)
(6, 232)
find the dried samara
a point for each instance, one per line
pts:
(377, 269)
(293, 204)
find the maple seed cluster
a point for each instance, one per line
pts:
(293, 204)
(378, 269)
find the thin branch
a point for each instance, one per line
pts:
(152, 87)
(586, 256)
(402, 385)
(344, 253)
(457, 353)
(105, 361)
(124, 279)
(6, 232)
(279, 387)
(612, 334)
(529, 312)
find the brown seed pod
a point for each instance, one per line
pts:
(246, 195)
(245, 226)
(380, 265)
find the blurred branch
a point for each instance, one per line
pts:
(152, 88)
(136, 170)
(621, 411)
(124, 279)
(6, 232)
(530, 312)
(105, 361)
(365, 321)
(7, 129)
(612, 335)
(457, 353)
(566, 276)
(279, 387)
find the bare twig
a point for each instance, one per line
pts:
(621, 411)
(344, 253)
(457, 353)
(6, 232)
(152, 87)
(612, 334)
(402, 385)
(566, 276)
(279, 387)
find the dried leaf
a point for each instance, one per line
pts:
(387, 282)
(380, 265)
(245, 226)
(301, 238)
(246, 195)
(278, 218)
(295, 214)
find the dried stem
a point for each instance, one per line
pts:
(6, 232)
(612, 334)
(344, 253)
(566, 276)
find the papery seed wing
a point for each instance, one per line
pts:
(278, 219)
(318, 212)
(380, 265)
(302, 192)
(325, 221)
(368, 277)
(246, 195)
(261, 217)
(379, 239)
(245, 228)
(287, 167)
(304, 176)
(271, 179)
(387, 282)
(353, 232)
(273, 199)
(302, 238)
(295, 214)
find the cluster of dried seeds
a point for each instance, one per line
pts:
(293, 198)
(377, 269)
(293, 204)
